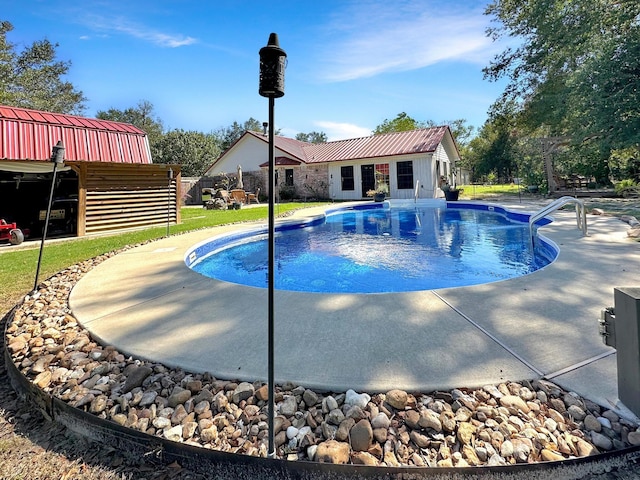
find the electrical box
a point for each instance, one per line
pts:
(627, 344)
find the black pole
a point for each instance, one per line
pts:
(271, 282)
(272, 65)
(46, 225)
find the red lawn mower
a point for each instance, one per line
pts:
(11, 232)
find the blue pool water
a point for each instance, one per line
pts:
(376, 250)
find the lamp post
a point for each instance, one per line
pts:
(272, 65)
(57, 157)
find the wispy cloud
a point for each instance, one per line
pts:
(125, 26)
(341, 131)
(374, 37)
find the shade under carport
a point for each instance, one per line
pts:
(30, 167)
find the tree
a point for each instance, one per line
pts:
(142, 117)
(227, 136)
(33, 78)
(312, 137)
(461, 132)
(494, 149)
(194, 151)
(401, 123)
(576, 69)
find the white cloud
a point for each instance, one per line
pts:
(342, 131)
(127, 27)
(373, 37)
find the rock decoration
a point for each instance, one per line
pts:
(505, 424)
(634, 231)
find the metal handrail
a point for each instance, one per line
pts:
(581, 215)
(415, 195)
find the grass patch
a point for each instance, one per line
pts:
(18, 267)
(488, 191)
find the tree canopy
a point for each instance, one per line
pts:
(229, 135)
(402, 123)
(194, 151)
(141, 116)
(312, 137)
(576, 69)
(33, 78)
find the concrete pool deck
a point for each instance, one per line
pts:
(147, 303)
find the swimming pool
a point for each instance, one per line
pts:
(380, 248)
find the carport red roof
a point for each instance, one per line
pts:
(30, 135)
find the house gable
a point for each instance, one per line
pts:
(251, 151)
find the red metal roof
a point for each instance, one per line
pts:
(293, 147)
(282, 162)
(30, 135)
(424, 140)
(398, 143)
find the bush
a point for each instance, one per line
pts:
(627, 187)
(287, 192)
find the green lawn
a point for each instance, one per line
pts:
(487, 191)
(18, 264)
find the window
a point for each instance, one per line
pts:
(382, 174)
(404, 171)
(346, 175)
(288, 177)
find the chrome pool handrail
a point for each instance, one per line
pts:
(581, 215)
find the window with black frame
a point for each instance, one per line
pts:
(346, 176)
(404, 172)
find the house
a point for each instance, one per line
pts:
(107, 183)
(410, 163)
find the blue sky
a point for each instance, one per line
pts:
(351, 63)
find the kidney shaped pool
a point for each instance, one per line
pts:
(379, 248)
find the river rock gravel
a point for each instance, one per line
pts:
(514, 422)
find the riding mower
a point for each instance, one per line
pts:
(11, 232)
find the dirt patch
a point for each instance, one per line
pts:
(32, 447)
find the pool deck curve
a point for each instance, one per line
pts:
(149, 304)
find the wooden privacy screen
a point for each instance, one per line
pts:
(116, 196)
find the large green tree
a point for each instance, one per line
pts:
(34, 78)
(194, 151)
(227, 136)
(494, 149)
(575, 69)
(312, 137)
(461, 131)
(402, 123)
(141, 116)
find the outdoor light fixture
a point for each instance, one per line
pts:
(57, 157)
(272, 65)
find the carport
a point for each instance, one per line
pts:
(108, 181)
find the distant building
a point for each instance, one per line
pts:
(346, 169)
(108, 181)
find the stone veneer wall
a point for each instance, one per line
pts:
(310, 182)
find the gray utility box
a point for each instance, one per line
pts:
(620, 328)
